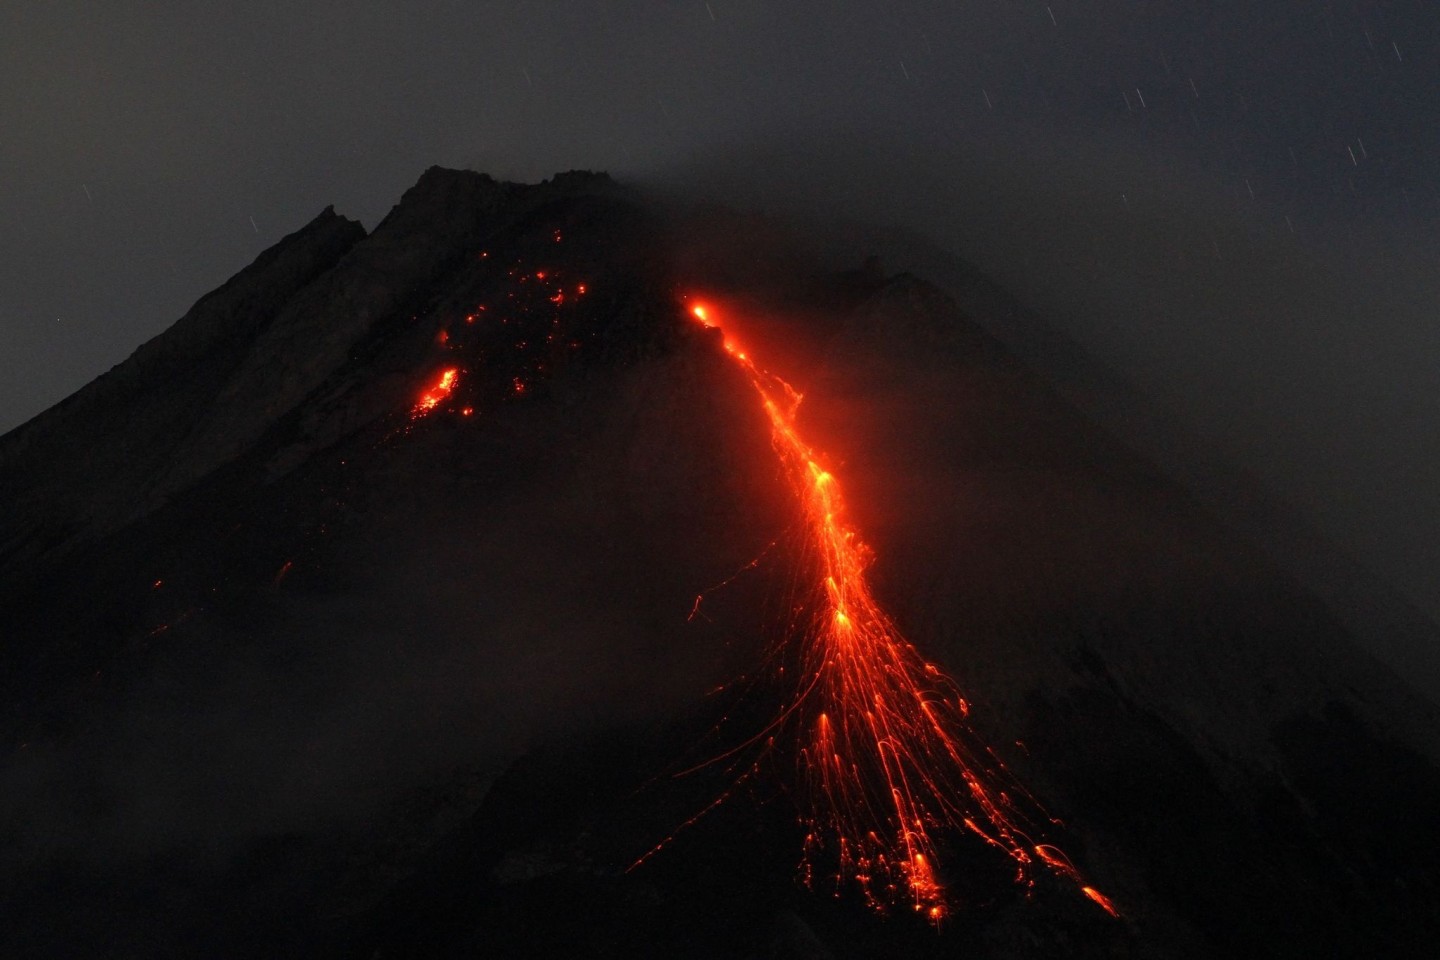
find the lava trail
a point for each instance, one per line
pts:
(887, 760)
(437, 392)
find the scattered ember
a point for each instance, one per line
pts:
(513, 343)
(885, 755)
(166, 627)
(284, 569)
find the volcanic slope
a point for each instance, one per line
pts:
(356, 615)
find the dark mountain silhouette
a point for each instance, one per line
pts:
(355, 615)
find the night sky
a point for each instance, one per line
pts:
(1232, 201)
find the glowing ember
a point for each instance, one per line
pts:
(437, 392)
(281, 573)
(886, 757)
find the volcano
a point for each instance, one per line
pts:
(459, 589)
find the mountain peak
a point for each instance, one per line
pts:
(402, 571)
(192, 398)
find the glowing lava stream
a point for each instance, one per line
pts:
(886, 755)
(431, 398)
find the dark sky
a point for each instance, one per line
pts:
(1233, 201)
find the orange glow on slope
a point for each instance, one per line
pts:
(437, 392)
(886, 758)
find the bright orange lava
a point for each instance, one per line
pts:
(886, 755)
(437, 392)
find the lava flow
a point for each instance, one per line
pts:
(887, 760)
(431, 398)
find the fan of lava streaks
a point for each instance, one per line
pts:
(886, 760)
